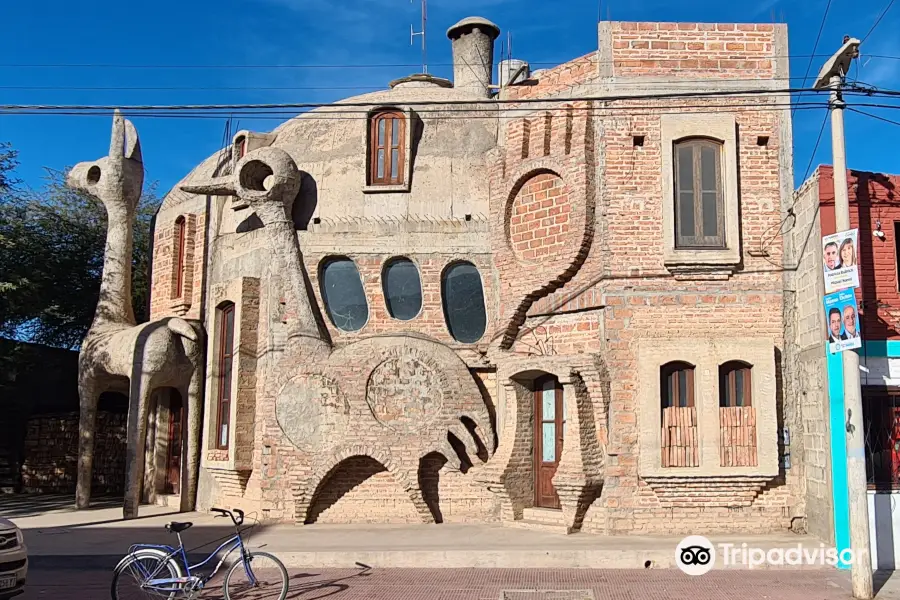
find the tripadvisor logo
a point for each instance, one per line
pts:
(695, 555)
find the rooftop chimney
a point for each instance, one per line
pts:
(473, 55)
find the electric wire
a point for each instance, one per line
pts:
(815, 46)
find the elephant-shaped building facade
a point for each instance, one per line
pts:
(556, 302)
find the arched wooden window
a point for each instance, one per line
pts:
(734, 385)
(387, 139)
(677, 385)
(699, 194)
(241, 146)
(226, 363)
(180, 241)
(679, 442)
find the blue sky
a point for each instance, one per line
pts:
(356, 32)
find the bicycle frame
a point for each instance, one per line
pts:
(177, 583)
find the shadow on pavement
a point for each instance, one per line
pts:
(14, 506)
(882, 576)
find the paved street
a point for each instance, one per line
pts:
(504, 584)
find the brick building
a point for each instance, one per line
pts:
(549, 303)
(875, 211)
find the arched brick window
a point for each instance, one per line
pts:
(734, 385)
(224, 374)
(179, 257)
(402, 288)
(387, 140)
(699, 194)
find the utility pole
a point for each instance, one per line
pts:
(832, 77)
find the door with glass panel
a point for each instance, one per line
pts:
(549, 427)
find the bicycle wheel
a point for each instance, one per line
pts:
(261, 577)
(137, 568)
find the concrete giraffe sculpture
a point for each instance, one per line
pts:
(162, 353)
(404, 395)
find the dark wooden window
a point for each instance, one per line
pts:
(734, 385)
(226, 360)
(242, 147)
(387, 143)
(677, 385)
(699, 194)
(180, 239)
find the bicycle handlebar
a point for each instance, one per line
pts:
(228, 513)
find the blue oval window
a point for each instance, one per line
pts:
(343, 294)
(402, 289)
(463, 299)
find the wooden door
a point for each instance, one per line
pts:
(549, 427)
(173, 460)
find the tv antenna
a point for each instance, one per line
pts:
(413, 33)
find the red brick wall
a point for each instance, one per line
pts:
(873, 197)
(540, 217)
(165, 240)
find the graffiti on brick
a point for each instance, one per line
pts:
(311, 410)
(404, 393)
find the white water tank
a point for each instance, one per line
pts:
(509, 68)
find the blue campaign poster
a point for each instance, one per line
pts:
(842, 317)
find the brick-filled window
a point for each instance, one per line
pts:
(679, 416)
(734, 385)
(226, 361)
(179, 256)
(387, 143)
(737, 417)
(699, 194)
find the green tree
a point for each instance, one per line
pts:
(51, 259)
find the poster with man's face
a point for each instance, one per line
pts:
(842, 320)
(840, 257)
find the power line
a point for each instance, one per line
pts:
(815, 46)
(880, 118)
(878, 20)
(369, 66)
(815, 148)
(440, 103)
(298, 88)
(286, 116)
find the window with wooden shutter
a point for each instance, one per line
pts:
(387, 140)
(224, 375)
(699, 194)
(180, 240)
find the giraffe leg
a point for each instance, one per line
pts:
(89, 394)
(193, 394)
(138, 413)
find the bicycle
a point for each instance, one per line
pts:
(158, 572)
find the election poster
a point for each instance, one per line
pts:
(840, 257)
(842, 316)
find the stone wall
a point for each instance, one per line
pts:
(51, 454)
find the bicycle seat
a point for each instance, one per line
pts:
(175, 527)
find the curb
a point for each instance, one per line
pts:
(454, 559)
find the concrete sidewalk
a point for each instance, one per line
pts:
(99, 537)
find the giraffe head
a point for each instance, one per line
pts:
(117, 179)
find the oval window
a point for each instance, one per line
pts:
(402, 289)
(463, 299)
(343, 294)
